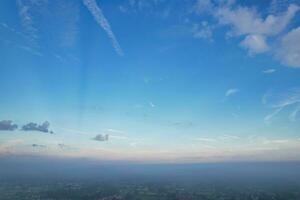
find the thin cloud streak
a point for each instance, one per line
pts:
(293, 115)
(97, 13)
(231, 92)
(282, 101)
(269, 71)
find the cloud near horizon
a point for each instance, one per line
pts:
(7, 125)
(31, 126)
(101, 137)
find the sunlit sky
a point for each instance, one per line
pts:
(150, 80)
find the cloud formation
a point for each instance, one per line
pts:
(101, 137)
(247, 21)
(7, 125)
(231, 92)
(97, 13)
(36, 127)
(258, 33)
(289, 51)
(255, 44)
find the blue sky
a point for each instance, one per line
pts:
(175, 81)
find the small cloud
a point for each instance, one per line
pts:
(269, 71)
(101, 137)
(36, 127)
(151, 104)
(7, 125)
(231, 92)
(203, 31)
(38, 146)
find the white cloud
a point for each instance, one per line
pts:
(231, 92)
(255, 44)
(289, 50)
(258, 33)
(269, 71)
(102, 21)
(244, 20)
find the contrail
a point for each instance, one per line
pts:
(102, 21)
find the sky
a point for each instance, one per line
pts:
(151, 80)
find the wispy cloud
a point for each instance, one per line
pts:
(269, 71)
(114, 130)
(25, 14)
(280, 101)
(102, 21)
(23, 45)
(293, 115)
(202, 139)
(231, 92)
(229, 137)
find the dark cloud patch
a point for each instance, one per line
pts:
(101, 137)
(7, 125)
(36, 127)
(38, 146)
